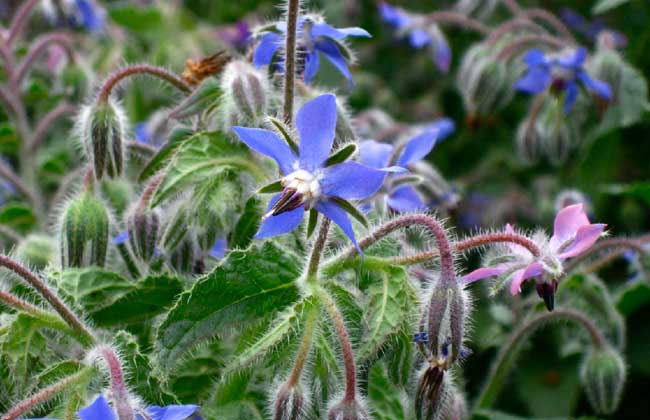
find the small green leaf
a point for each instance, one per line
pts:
(385, 398)
(247, 225)
(137, 19)
(633, 298)
(93, 288)
(273, 187)
(161, 158)
(311, 224)
(351, 210)
(341, 155)
(284, 131)
(246, 287)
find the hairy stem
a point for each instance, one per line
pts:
(7, 173)
(511, 25)
(37, 284)
(29, 403)
(458, 19)
(118, 386)
(512, 6)
(524, 41)
(303, 350)
(138, 69)
(317, 250)
(290, 59)
(552, 20)
(19, 19)
(511, 350)
(346, 348)
(604, 245)
(38, 47)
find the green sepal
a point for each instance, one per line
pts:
(351, 210)
(342, 154)
(271, 188)
(311, 224)
(284, 131)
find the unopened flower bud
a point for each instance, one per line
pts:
(247, 88)
(183, 258)
(603, 376)
(143, 225)
(84, 232)
(36, 250)
(529, 145)
(289, 403)
(446, 315)
(103, 128)
(348, 410)
(431, 392)
(558, 135)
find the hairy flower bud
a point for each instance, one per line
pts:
(246, 91)
(36, 250)
(84, 232)
(289, 403)
(348, 410)
(143, 225)
(183, 258)
(603, 376)
(103, 131)
(431, 392)
(446, 322)
(529, 145)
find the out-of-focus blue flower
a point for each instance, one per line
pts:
(406, 27)
(403, 197)
(307, 181)
(218, 249)
(315, 37)
(421, 338)
(146, 135)
(121, 237)
(101, 410)
(86, 14)
(562, 73)
(237, 36)
(6, 190)
(592, 29)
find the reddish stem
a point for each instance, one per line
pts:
(346, 349)
(19, 19)
(37, 48)
(522, 42)
(458, 19)
(552, 20)
(290, 59)
(128, 71)
(118, 387)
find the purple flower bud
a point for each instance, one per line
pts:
(143, 225)
(289, 403)
(546, 290)
(429, 392)
(348, 410)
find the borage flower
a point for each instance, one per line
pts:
(101, 410)
(573, 234)
(308, 181)
(314, 37)
(400, 196)
(594, 30)
(85, 14)
(409, 27)
(562, 74)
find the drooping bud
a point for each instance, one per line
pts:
(529, 145)
(603, 376)
(348, 410)
(36, 250)
(246, 92)
(546, 290)
(103, 130)
(558, 136)
(183, 258)
(446, 317)
(431, 392)
(289, 403)
(84, 232)
(143, 225)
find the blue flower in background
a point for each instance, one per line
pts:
(592, 29)
(86, 14)
(561, 73)
(418, 38)
(404, 198)
(100, 410)
(315, 37)
(6, 190)
(121, 238)
(308, 182)
(237, 36)
(218, 249)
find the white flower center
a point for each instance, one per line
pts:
(304, 183)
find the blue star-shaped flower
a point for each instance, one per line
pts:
(562, 74)
(100, 410)
(403, 197)
(308, 182)
(315, 37)
(593, 30)
(418, 38)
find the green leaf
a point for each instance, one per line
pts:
(17, 216)
(161, 158)
(385, 398)
(93, 288)
(137, 19)
(246, 287)
(311, 224)
(392, 303)
(640, 190)
(201, 158)
(606, 5)
(633, 298)
(23, 347)
(341, 155)
(150, 297)
(248, 224)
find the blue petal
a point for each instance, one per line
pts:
(218, 249)
(443, 55)
(312, 61)
(92, 17)
(535, 57)
(269, 144)
(323, 29)
(316, 123)
(142, 133)
(98, 410)
(340, 217)
(417, 148)
(405, 199)
(121, 237)
(599, 87)
(573, 19)
(535, 81)
(351, 180)
(574, 60)
(333, 54)
(375, 154)
(393, 16)
(419, 38)
(280, 224)
(171, 412)
(571, 95)
(266, 49)
(445, 127)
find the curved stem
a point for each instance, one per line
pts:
(7, 173)
(118, 386)
(79, 378)
(290, 59)
(509, 352)
(7, 58)
(603, 261)
(128, 71)
(522, 42)
(40, 132)
(149, 190)
(19, 19)
(346, 348)
(510, 25)
(605, 244)
(552, 20)
(458, 19)
(512, 6)
(56, 302)
(317, 250)
(39, 45)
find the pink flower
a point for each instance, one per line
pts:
(573, 234)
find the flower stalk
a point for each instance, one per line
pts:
(346, 348)
(138, 69)
(290, 59)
